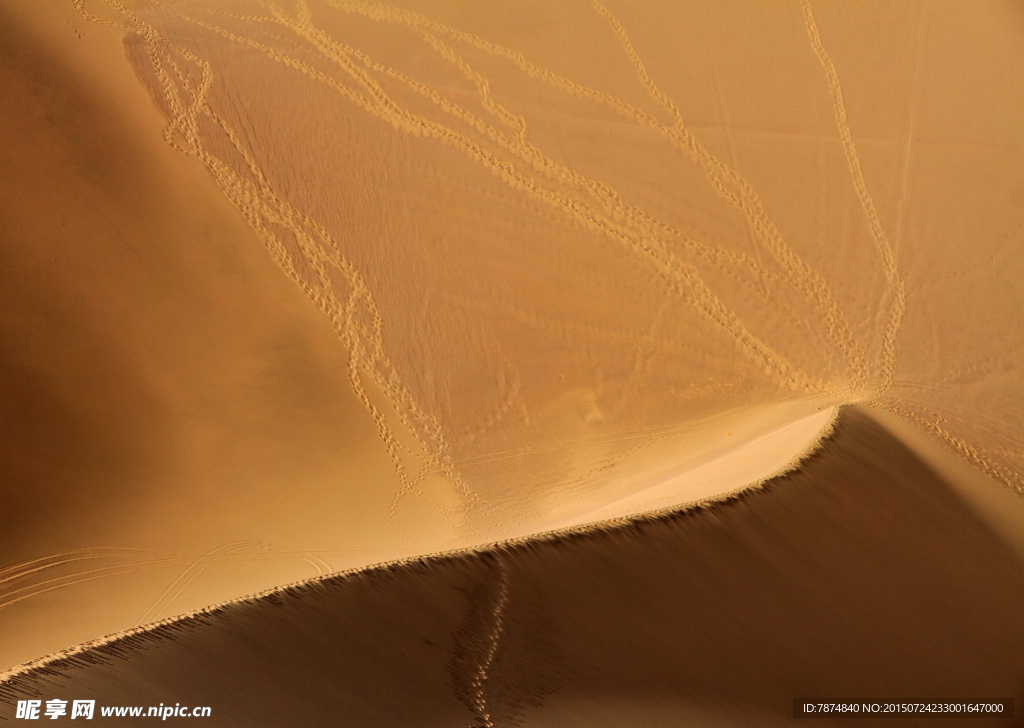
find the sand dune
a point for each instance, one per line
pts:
(292, 288)
(861, 575)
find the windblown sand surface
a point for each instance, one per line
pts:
(288, 289)
(862, 574)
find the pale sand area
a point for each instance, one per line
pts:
(556, 274)
(749, 463)
(862, 575)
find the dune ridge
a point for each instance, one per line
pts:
(608, 524)
(689, 581)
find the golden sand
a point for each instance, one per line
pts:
(860, 574)
(290, 288)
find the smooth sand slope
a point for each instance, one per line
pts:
(863, 574)
(165, 393)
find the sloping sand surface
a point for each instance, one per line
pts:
(290, 288)
(863, 575)
(175, 420)
(179, 423)
(628, 244)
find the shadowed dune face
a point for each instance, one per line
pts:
(166, 394)
(76, 415)
(294, 287)
(862, 574)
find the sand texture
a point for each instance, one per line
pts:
(862, 574)
(295, 287)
